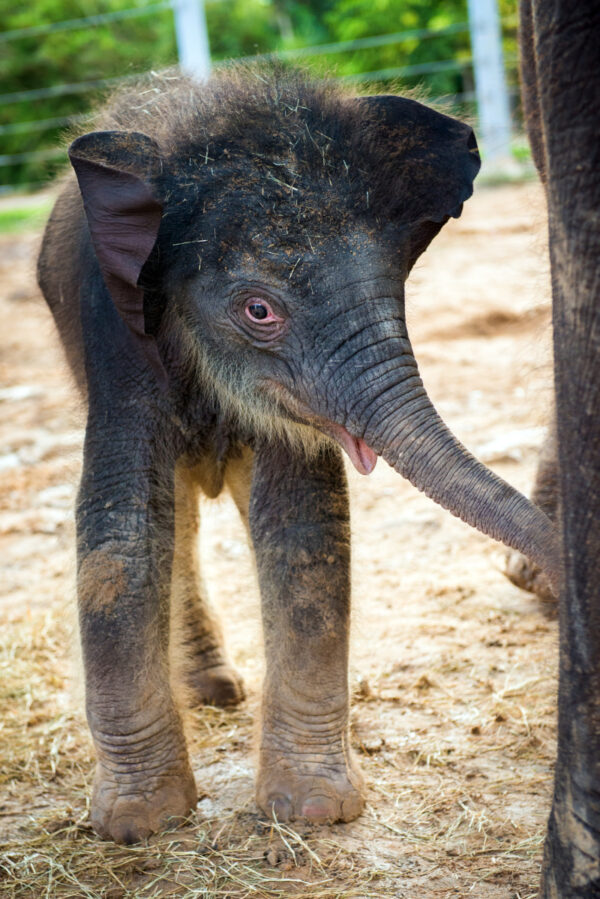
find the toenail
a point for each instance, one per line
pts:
(281, 808)
(318, 808)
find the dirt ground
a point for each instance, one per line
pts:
(453, 668)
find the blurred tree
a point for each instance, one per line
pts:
(66, 57)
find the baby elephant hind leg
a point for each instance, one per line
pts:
(198, 656)
(300, 529)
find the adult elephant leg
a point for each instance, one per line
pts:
(566, 40)
(519, 569)
(299, 522)
(125, 545)
(197, 650)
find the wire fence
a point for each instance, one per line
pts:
(32, 146)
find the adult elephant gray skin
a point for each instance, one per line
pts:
(560, 43)
(227, 276)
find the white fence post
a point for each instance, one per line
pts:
(490, 83)
(192, 37)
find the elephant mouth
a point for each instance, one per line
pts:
(360, 453)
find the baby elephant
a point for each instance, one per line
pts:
(227, 276)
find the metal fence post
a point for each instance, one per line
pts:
(490, 83)
(192, 37)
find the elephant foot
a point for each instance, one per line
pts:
(143, 777)
(128, 809)
(219, 685)
(524, 573)
(318, 787)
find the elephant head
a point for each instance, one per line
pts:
(259, 232)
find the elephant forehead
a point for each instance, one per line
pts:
(234, 224)
(331, 267)
(276, 194)
(268, 203)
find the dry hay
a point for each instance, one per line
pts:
(432, 818)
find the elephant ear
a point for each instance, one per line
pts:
(115, 171)
(424, 163)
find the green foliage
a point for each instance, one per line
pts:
(241, 28)
(352, 19)
(236, 28)
(24, 218)
(77, 55)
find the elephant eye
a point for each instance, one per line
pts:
(258, 310)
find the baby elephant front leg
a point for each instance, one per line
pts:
(300, 529)
(125, 532)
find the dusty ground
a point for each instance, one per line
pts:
(453, 669)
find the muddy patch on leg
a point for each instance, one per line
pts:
(101, 580)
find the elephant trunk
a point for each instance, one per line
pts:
(406, 430)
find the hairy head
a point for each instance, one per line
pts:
(279, 210)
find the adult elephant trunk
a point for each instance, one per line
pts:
(403, 427)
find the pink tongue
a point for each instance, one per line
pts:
(362, 456)
(367, 459)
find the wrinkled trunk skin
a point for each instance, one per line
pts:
(559, 44)
(422, 449)
(402, 426)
